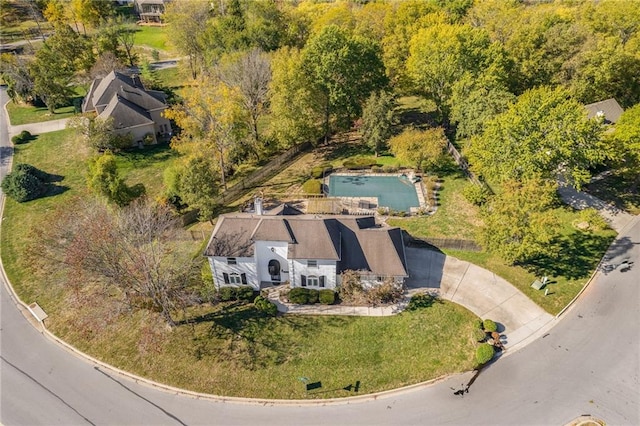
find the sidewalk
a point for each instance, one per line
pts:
(616, 218)
(38, 128)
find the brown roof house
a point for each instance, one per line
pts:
(268, 248)
(134, 110)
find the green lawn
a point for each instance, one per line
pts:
(57, 153)
(25, 114)
(146, 166)
(153, 37)
(455, 218)
(235, 351)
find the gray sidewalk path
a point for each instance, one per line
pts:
(38, 128)
(616, 218)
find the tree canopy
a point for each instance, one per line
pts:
(544, 133)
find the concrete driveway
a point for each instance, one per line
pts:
(481, 291)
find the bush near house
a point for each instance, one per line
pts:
(479, 335)
(227, 293)
(420, 301)
(244, 292)
(484, 353)
(327, 297)
(303, 296)
(266, 306)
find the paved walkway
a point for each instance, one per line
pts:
(41, 127)
(616, 218)
(475, 288)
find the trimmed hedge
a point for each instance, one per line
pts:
(327, 297)
(266, 306)
(479, 335)
(312, 186)
(227, 293)
(244, 292)
(303, 296)
(322, 170)
(419, 301)
(489, 325)
(484, 353)
(359, 163)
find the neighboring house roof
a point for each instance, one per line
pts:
(609, 108)
(124, 99)
(125, 114)
(355, 243)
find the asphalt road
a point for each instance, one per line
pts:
(589, 363)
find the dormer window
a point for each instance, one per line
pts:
(312, 263)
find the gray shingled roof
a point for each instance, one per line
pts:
(356, 243)
(125, 114)
(609, 107)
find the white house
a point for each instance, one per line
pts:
(284, 245)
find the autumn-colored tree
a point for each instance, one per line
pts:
(212, 120)
(131, 252)
(422, 148)
(250, 73)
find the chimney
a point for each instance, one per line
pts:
(257, 205)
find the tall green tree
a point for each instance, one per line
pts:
(544, 133)
(520, 222)
(377, 120)
(440, 55)
(626, 136)
(195, 180)
(293, 102)
(104, 180)
(422, 148)
(344, 70)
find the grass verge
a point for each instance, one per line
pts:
(234, 350)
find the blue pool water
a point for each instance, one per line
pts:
(395, 192)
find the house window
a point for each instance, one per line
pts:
(312, 281)
(312, 263)
(234, 278)
(231, 261)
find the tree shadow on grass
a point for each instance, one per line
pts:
(243, 335)
(573, 256)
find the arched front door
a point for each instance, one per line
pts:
(274, 270)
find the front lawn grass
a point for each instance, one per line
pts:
(26, 114)
(235, 351)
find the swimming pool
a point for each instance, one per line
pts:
(395, 192)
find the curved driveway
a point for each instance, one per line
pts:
(589, 363)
